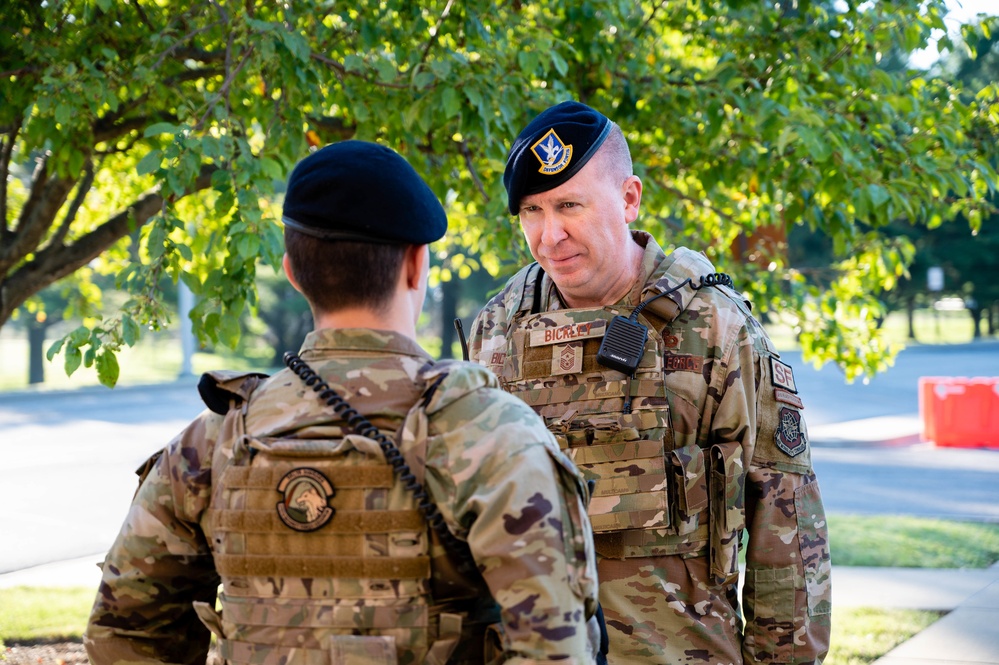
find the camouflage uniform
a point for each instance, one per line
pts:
(320, 550)
(711, 445)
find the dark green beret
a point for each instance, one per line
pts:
(360, 191)
(552, 149)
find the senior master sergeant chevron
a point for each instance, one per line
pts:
(297, 499)
(666, 391)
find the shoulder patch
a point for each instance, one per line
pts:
(783, 375)
(790, 434)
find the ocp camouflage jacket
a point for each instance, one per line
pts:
(705, 441)
(320, 550)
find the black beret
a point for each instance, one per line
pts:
(552, 149)
(355, 190)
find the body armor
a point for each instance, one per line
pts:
(323, 553)
(657, 491)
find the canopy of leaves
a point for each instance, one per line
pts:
(147, 138)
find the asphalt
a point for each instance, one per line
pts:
(906, 475)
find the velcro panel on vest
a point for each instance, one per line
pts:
(640, 543)
(246, 477)
(242, 565)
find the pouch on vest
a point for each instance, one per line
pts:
(728, 512)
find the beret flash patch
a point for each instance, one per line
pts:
(790, 437)
(552, 152)
(304, 505)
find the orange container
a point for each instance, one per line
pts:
(960, 412)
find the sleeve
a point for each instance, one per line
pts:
(787, 592)
(503, 485)
(160, 563)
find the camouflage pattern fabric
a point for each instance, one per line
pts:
(357, 577)
(712, 391)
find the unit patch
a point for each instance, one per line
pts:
(782, 395)
(305, 502)
(568, 333)
(553, 154)
(683, 362)
(567, 358)
(790, 436)
(782, 375)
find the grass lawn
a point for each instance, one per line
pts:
(860, 635)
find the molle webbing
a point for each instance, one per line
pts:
(242, 477)
(397, 568)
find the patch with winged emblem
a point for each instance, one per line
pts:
(790, 435)
(553, 154)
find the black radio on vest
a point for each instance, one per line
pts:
(624, 341)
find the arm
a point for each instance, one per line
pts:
(160, 563)
(502, 484)
(786, 595)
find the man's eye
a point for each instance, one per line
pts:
(569, 204)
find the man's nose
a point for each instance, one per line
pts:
(554, 230)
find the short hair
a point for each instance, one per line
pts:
(341, 274)
(616, 154)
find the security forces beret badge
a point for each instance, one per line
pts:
(304, 505)
(552, 152)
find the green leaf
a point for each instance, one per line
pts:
(229, 330)
(149, 163)
(248, 246)
(105, 5)
(162, 128)
(386, 70)
(54, 349)
(879, 195)
(130, 330)
(452, 102)
(73, 359)
(107, 368)
(272, 168)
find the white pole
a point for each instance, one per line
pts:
(185, 302)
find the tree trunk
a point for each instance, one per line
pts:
(36, 352)
(910, 315)
(976, 319)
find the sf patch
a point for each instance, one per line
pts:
(304, 504)
(790, 435)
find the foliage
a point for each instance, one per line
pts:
(148, 140)
(911, 542)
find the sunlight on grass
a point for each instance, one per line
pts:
(911, 542)
(862, 635)
(31, 613)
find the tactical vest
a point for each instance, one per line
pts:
(325, 558)
(656, 492)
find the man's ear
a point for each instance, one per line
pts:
(632, 192)
(286, 264)
(414, 265)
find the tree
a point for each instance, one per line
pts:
(155, 134)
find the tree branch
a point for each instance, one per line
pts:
(436, 31)
(37, 216)
(467, 154)
(82, 189)
(57, 261)
(6, 149)
(224, 90)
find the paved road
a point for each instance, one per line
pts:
(67, 459)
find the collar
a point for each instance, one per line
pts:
(328, 340)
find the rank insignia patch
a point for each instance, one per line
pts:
(782, 375)
(553, 154)
(304, 505)
(790, 436)
(567, 358)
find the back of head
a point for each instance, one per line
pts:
(556, 144)
(350, 211)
